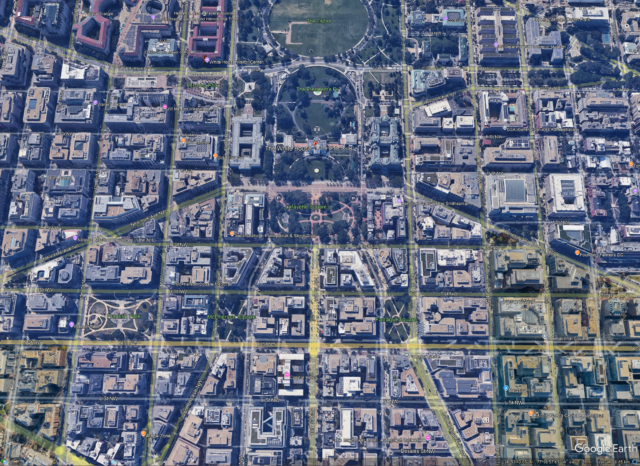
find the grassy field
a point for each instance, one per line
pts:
(391, 19)
(315, 113)
(316, 116)
(322, 79)
(376, 77)
(371, 54)
(348, 24)
(311, 166)
(280, 38)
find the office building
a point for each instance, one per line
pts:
(383, 144)
(456, 189)
(23, 180)
(194, 119)
(94, 31)
(163, 52)
(49, 18)
(143, 112)
(511, 197)
(346, 269)
(591, 16)
(577, 318)
(74, 75)
(603, 113)
(196, 222)
(237, 265)
(111, 264)
(453, 317)
(444, 154)
(60, 272)
(349, 318)
(526, 376)
(46, 68)
(18, 245)
(514, 154)
(431, 81)
(74, 150)
(569, 237)
(497, 26)
(285, 268)
(40, 108)
(190, 183)
(543, 47)
(11, 107)
(140, 28)
(9, 147)
(15, 62)
(188, 266)
(34, 149)
(278, 316)
(207, 37)
(200, 151)
(548, 153)
(275, 436)
(564, 196)
(451, 269)
(516, 269)
(135, 150)
(518, 318)
(501, 112)
(553, 110)
(565, 277)
(435, 223)
(67, 209)
(245, 216)
(246, 143)
(25, 208)
(142, 192)
(76, 109)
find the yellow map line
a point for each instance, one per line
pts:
(313, 346)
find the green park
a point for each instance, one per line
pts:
(318, 28)
(324, 113)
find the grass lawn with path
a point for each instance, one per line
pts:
(318, 28)
(317, 116)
